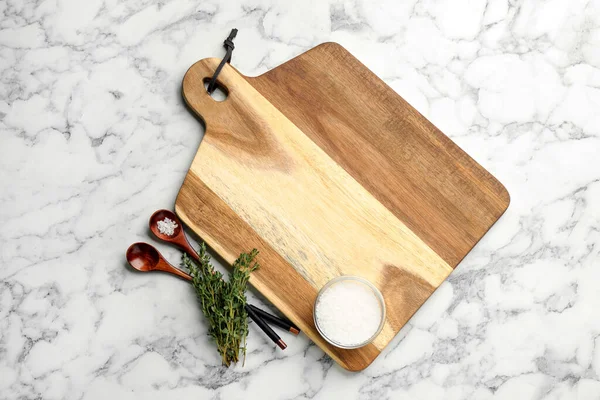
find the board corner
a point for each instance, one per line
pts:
(355, 368)
(504, 196)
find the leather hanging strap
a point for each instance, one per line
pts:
(228, 44)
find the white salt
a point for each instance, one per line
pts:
(167, 226)
(348, 312)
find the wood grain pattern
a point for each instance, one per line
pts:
(412, 168)
(313, 185)
(224, 231)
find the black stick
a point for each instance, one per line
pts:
(273, 320)
(259, 321)
(266, 328)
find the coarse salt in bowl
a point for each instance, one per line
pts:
(349, 312)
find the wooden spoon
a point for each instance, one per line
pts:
(146, 258)
(178, 237)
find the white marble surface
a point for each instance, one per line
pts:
(94, 137)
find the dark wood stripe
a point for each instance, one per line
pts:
(403, 160)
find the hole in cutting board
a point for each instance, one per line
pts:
(219, 94)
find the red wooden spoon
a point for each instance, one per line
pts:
(146, 258)
(178, 237)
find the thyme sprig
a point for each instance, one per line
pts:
(223, 302)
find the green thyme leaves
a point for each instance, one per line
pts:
(223, 302)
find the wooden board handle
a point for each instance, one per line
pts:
(243, 123)
(218, 115)
(197, 97)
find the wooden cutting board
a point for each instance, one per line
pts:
(327, 171)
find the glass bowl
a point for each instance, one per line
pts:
(377, 294)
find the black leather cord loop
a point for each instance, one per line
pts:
(228, 44)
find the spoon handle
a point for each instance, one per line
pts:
(184, 245)
(165, 267)
(182, 274)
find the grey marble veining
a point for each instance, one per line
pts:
(94, 136)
